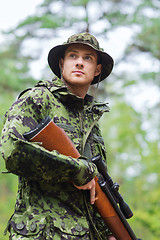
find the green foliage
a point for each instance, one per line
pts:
(14, 69)
(8, 182)
(8, 185)
(149, 37)
(123, 134)
(30, 20)
(150, 218)
(133, 162)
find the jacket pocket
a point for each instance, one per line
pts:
(71, 132)
(73, 227)
(99, 146)
(26, 225)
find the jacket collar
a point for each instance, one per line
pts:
(59, 89)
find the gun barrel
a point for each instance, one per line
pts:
(102, 168)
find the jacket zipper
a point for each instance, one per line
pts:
(80, 113)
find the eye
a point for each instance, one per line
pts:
(72, 55)
(88, 57)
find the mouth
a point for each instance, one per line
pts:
(78, 72)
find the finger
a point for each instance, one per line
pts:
(111, 237)
(81, 187)
(92, 194)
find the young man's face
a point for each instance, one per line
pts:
(79, 67)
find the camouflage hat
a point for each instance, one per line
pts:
(84, 38)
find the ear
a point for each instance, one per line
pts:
(61, 63)
(98, 70)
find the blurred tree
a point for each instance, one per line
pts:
(14, 67)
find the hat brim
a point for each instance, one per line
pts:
(57, 52)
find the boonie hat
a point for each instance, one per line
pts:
(57, 52)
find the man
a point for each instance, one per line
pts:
(56, 193)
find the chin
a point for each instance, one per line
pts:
(75, 81)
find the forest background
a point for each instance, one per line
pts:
(129, 31)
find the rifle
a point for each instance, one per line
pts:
(53, 137)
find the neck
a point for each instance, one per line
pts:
(79, 91)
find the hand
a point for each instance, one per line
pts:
(111, 237)
(89, 186)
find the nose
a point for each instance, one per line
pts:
(79, 62)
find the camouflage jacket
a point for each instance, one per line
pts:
(47, 202)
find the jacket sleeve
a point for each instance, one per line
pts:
(30, 160)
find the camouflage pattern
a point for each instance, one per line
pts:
(85, 38)
(48, 206)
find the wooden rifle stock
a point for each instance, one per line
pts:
(53, 137)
